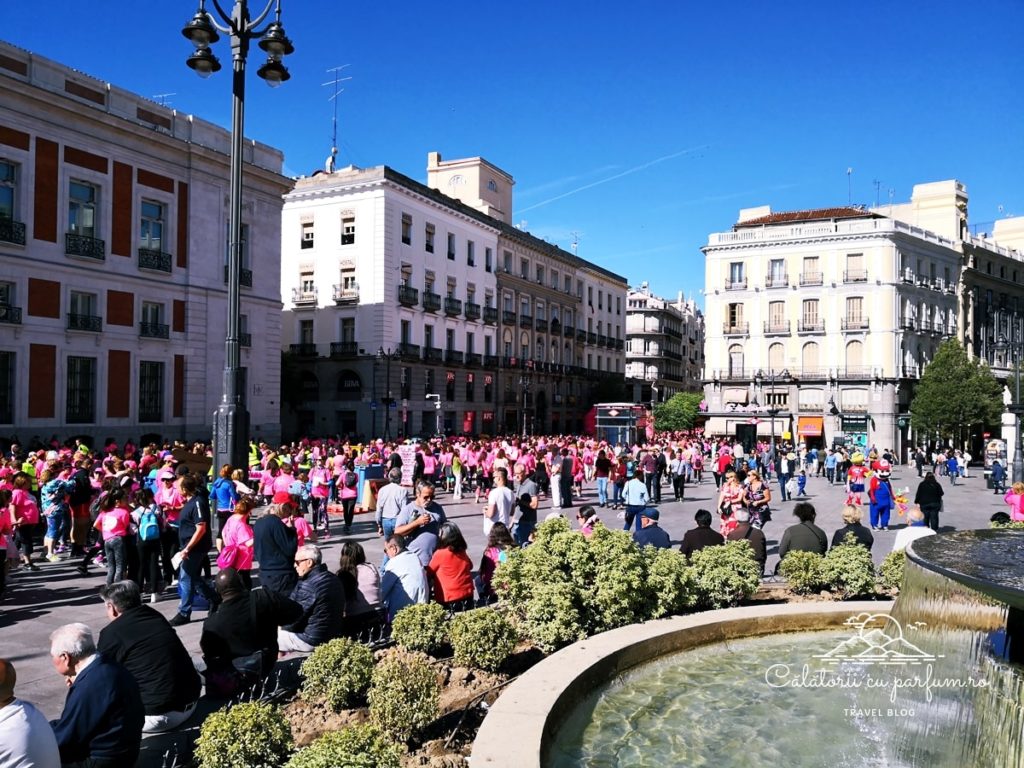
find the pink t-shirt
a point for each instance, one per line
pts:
(302, 529)
(25, 507)
(114, 522)
(282, 481)
(237, 532)
(319, 479)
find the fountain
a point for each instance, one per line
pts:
(937, 683)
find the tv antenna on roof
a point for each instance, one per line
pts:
(336, 82)
(163, 99)
(877, 184)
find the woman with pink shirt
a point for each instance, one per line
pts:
(319, 490)
(170, 501)
(348, 492)
(112, 523)
(25, 518)
(238, 533)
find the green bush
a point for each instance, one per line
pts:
(482, 638)
(360, 746)
(337, 672)
(404, 694)
(620, 593)
(726, 574)
(671, 582)
(890, 572)
(1013, 525)
(250, 735)
(848, 569)
(421, 627)
(554, 617)
(803, 571)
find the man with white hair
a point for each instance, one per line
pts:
(26, 739)
(101, 726)
(322, 598)
(744, 531)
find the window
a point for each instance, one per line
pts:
(810, 357)
(306, 332)
(590, 296)
(469, 387)
(406, 379)
(348, 279)
(151, 227)
(428, 382)
(854, 309)
(151, 391)
(618, 305)
(809, 312)
(306, 284)
(470, 343)
(449, 386)
(540, 274)
(406, 332)
(579, 289)
(524, 306)
(428, 336)
(449, 339)
(243, 251)
(81, 390)
(734, 316)
(488, 387)
(488, 260)
(854, 357)
(524, 269)
(152, 313)
(82, 209)
(776, 357)
(7, 387)
(507, 302)
(428, 237)
(451, 247)
(855, 272)
(776, 272)
(507, 261)
(470, 253)
(348, 230)
(776, 315)
(554, 279)
(568, 284)
(811, 274)
(600, 299)
(8, 184)
(82, 304)
(736, 273)
(307, 234)
(407, 229)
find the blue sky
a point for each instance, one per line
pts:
(641, 127)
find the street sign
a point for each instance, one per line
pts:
(373, 405)
(393, 404)
(901, 422)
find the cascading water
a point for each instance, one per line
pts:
(931, 685)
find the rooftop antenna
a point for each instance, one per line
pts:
(336, 82)
(575, 243)
(877, 184)
(849, 186)
(163, 99)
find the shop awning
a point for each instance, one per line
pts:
(810, 426)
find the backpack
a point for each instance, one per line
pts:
(149, 525)
(351, 479)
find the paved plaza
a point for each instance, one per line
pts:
(36, 603)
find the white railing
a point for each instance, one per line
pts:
(770, 232)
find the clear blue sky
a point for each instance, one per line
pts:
(641, 126)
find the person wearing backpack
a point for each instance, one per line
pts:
(79, 500)
(349, 492)
(149, 521)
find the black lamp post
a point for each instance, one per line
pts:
(387, 355)
(525, 380)
(231, 419)
(773, 411)
(1005, 345)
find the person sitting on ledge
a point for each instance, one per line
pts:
(852, 516)
(744, 530)
(650, 533)
(916, 529)
(805, 536)
(702, 536)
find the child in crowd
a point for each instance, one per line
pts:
(113, 523)
(499, 542)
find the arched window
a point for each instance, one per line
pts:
(854, 358)
(809, 358)
(349, 386)
(776, 357)
(736, 361)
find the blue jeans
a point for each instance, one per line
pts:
(616, 493)
(388, 524)
(783, 479)
(602, 490)
(190, 582)
(633, 513)
(521, 532)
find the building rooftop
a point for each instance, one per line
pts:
(815, 214)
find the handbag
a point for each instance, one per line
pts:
(227, 556)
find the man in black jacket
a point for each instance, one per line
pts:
(141, 639)
(702, 536)
(322, 598)
(275, 544)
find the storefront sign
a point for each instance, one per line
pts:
(855, 423)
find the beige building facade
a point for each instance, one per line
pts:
(664, 346)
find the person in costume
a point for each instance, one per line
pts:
(880, 496)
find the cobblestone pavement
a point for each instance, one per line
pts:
(36, 603)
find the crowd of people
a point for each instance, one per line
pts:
(155, 522)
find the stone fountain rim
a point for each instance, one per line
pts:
(522, 723)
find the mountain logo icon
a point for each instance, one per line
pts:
(878, 640)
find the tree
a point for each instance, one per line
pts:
(955, 392)
(678, 412)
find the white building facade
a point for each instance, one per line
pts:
(113, 249)
(664, 346)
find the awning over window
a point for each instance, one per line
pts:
(810, 426)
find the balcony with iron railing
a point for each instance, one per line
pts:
(777, 328)
(776, 281)
(736, 285)
(811, 278)
(244, 276)
(853, 324)
(305, 349)
(910, 371)
(431, 301)
(454, 357)
(491, 315)
(735, 329)
(525, 321)
(620, 344)
(154, 331)
(155, 261)
(407, 351)
(855, 276)
(301, 298)
(473, 359)
(541, 325)
(856, 372)
(591, 337)
(472, 310)
(581, 334)
(908, 324)
(810, 326)
(490, 361)
(79, 322)
(85, 246)
(10, 314)
(432, 354)
(556, 326)
(344, 348)
(508, 317)
(452, 307)
(602, 340)
(12, 231)
(568, 331)
(408, 296)
(342, 295)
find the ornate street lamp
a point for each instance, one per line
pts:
(387, 355)
(231, 419)
(1005, 345)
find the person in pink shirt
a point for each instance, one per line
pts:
(170, 500)
(238, 533)
(112, 523)
(319, 490)
(349, 493)
(284, 477)
(303, 530)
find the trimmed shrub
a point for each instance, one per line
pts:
(360, 746)
(670, 581)
(404, 694)
(890, 572)
(620, 593)
(337, 672)
(803, 571)
(726, 574)
(547, 529)
(482, 638)
(1012, 524)
(554, 617)
(848, 569)
(421, 627)
(250, 735)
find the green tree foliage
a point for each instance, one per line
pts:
(955, 391)
(678, 412)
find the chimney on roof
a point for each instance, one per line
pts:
(746, 214)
